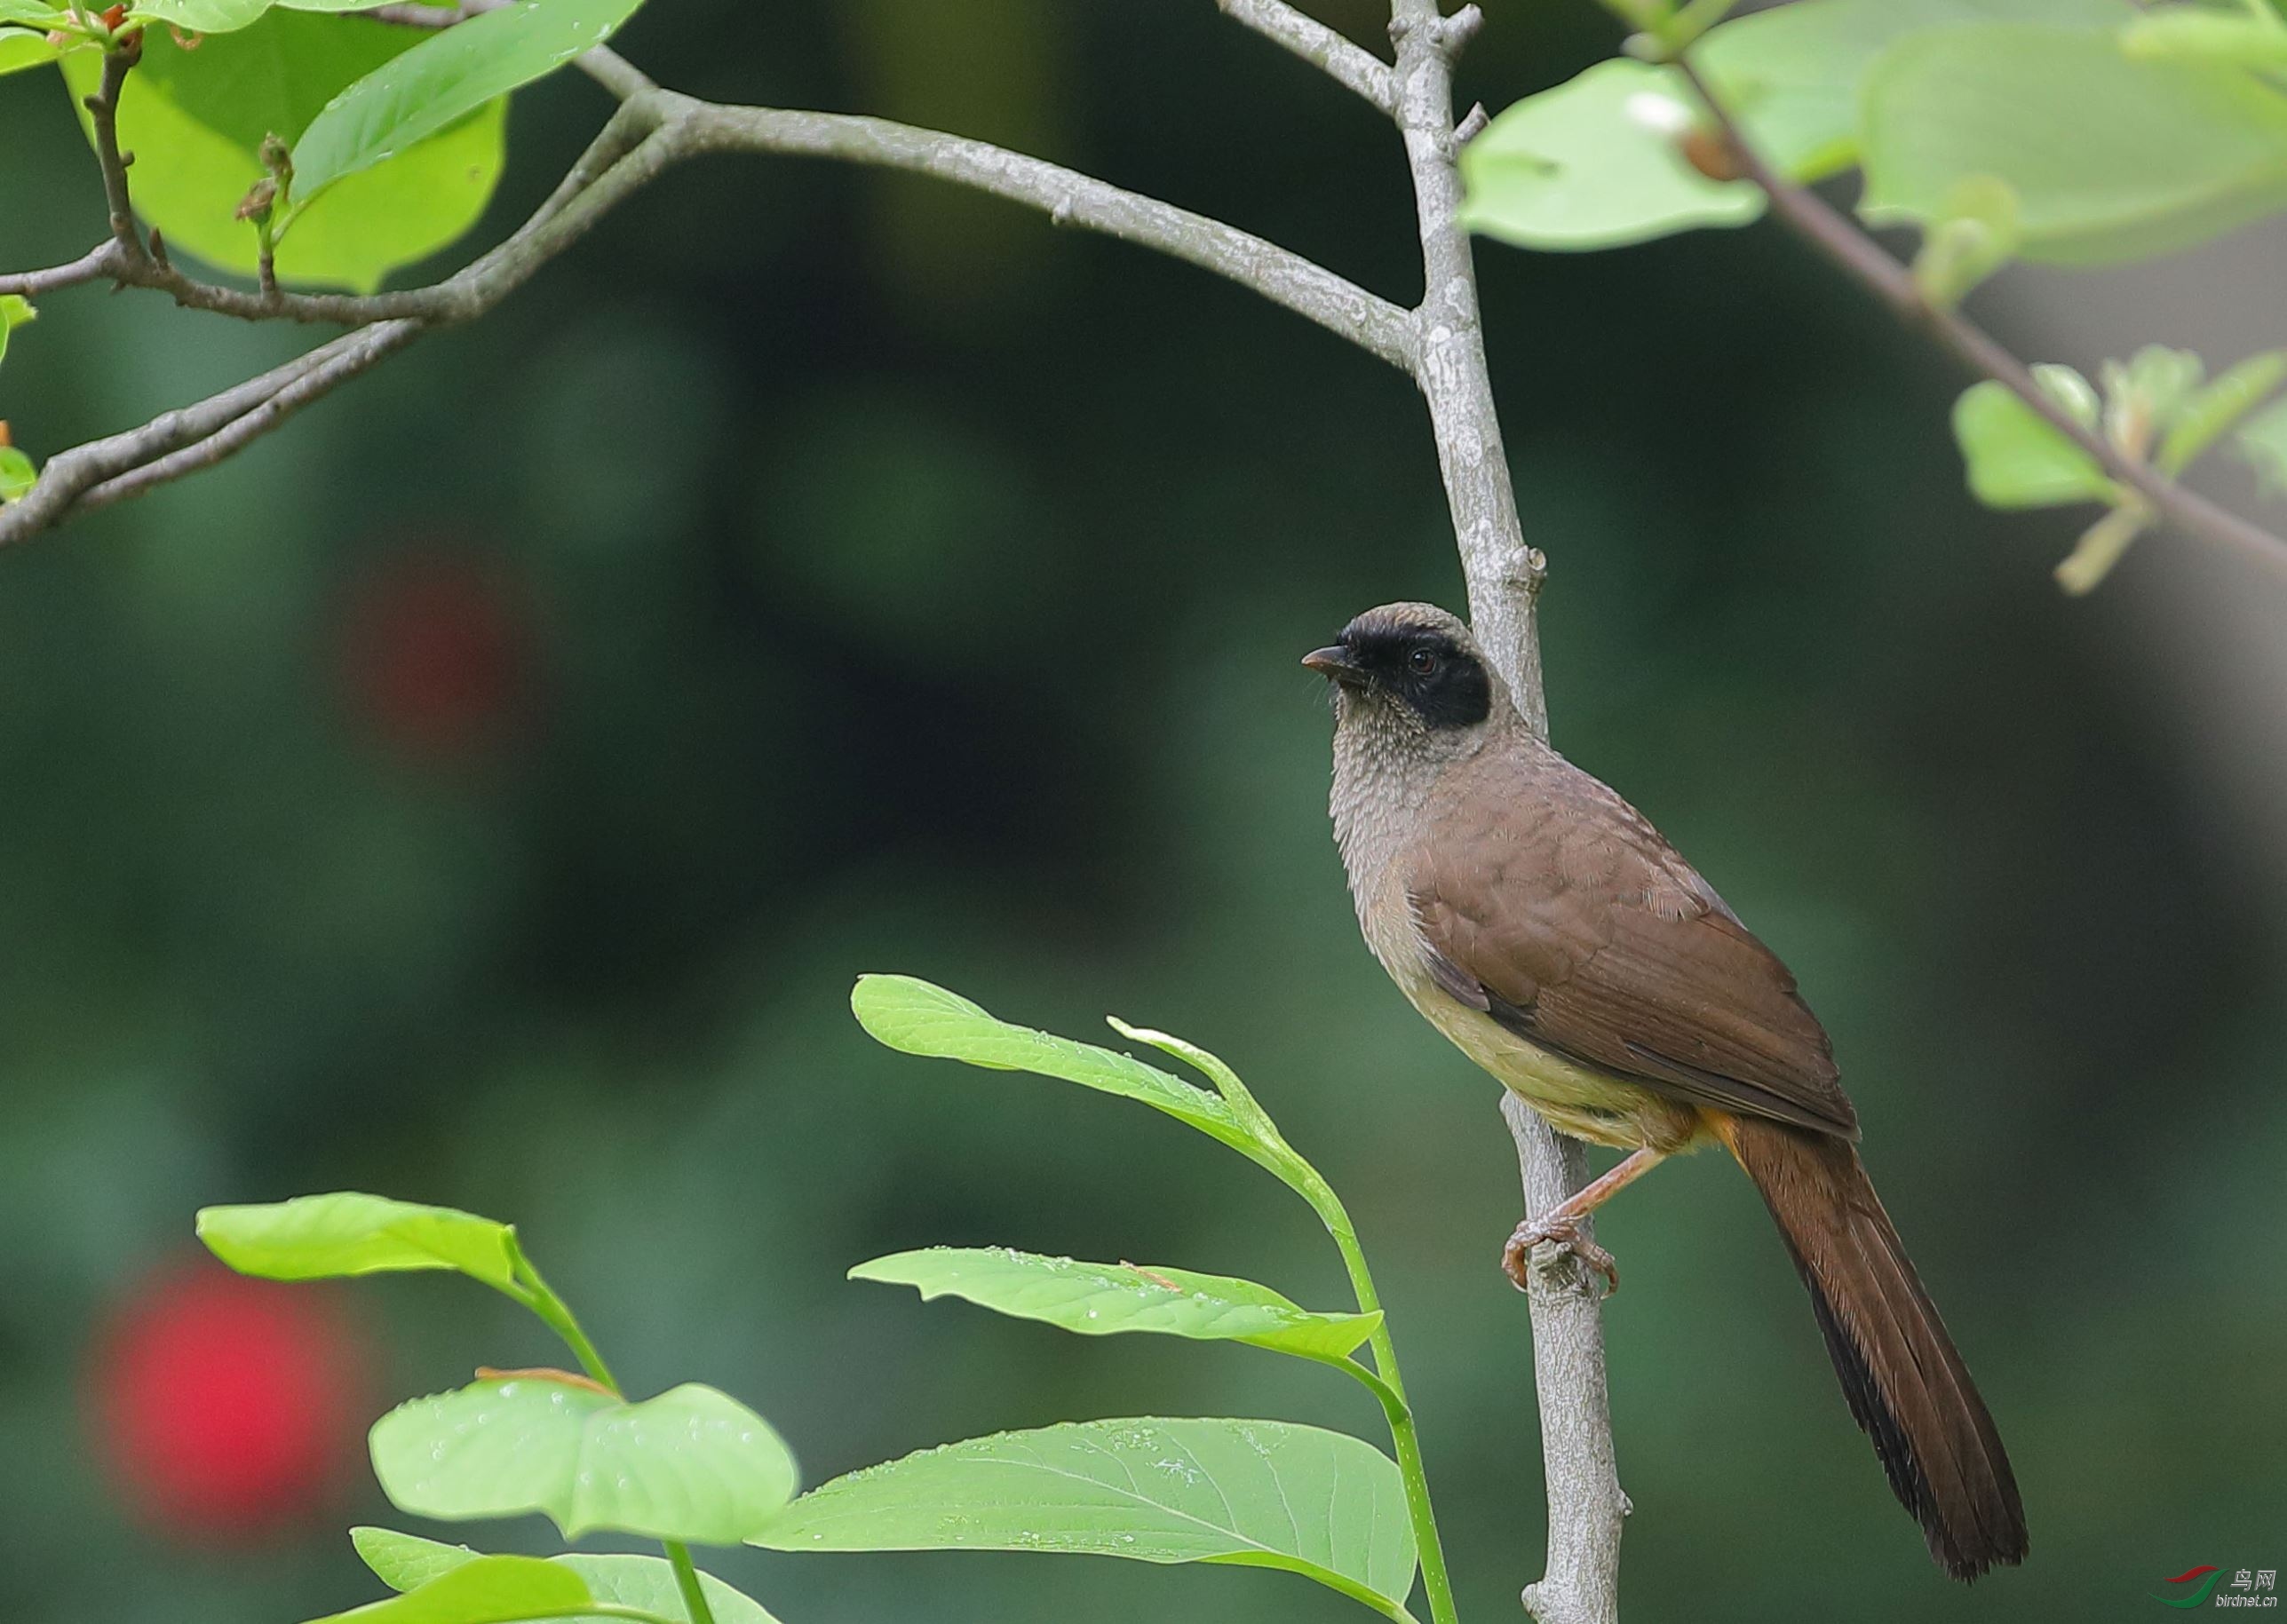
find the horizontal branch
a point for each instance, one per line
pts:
(1351, 64)
(1068, 198)
(1832, 233)
(99, 264)
(194, 436)
(652, 131)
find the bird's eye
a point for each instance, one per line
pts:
(1423, 661)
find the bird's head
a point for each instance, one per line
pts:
(1411, 668)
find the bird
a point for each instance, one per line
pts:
(1543, 925)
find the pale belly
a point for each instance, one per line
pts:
(1580, 1100)
(1584, 1102)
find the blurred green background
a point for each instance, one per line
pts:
(485, 791)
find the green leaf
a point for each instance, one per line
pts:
(1099, 1299)
(691, 1464)
(19, 49)
(202, 16)
(17, 473)
(1974, 238)
(2016, 458)
(1261, 1493)
(2144, 395)
(917, 1017)
(195, 120)
(1793, 74)
(32, 13)
(646, 1583)
(2263, 442)
(321, 1237)
(406, 1561)
(2250, 39)
(2210, 413)
(481, 1590)
(15, 310)
(1596, 163)
(445, 77)
(2110, 158)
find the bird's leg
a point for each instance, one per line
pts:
(1560, 1224)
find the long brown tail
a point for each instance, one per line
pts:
(1907, 1386)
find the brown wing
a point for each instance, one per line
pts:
(1548, 902)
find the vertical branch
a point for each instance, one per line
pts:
(1585, 1506)
(119, 60)
(1504, 573)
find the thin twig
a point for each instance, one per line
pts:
(198, 436)
(1351, 64)
(652, 131)
(1831, 233)
(103, 117)
(344, 359)
(97, 263)
(1581, 1583)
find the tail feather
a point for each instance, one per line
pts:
(1900, 1373)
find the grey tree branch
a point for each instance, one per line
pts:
(652, 129)
(1350, 63)
(103, 115)
(1581, 1584)
(1832, 233)
(195, 437)
(1069, 199)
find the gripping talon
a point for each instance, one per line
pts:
(1516, 1257)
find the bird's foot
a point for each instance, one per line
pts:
(1516, 1258)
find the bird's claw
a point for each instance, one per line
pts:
(1516, 1258)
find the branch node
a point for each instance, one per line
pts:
(1471, 125)
(1454, 33)
(1337, 55)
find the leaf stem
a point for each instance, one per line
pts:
(554, 1312)
(1391, 1388)
(686, 1580)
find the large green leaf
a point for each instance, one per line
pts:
(2111, 158)
(691, 1464)
(481, 1590)
(402, 1561)
(445, 77)
(1261, 1493)
(1793, 73)
(20, 49)
(1596, 163)
(202, 16)
(1099, 1299)
(2016, 458)
(319, 1237)
(919, 1018)
(195, 120)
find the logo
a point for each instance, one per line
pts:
(2206, 1586)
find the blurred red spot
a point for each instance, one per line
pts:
(432, 650)
(229, 1409)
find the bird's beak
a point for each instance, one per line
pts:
(1336, 664)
